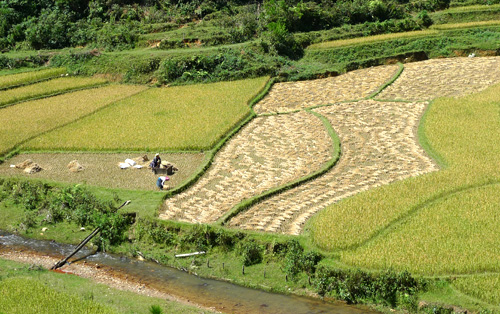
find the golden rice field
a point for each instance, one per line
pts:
(171, 118)
(46, 88)
(371, 39)
(29, 119)
(438, 223)
(29, 77)
(484, 287)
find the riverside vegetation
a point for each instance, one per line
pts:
(441, 219)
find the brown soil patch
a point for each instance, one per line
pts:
(102, 169)
(269, 152)
(291, 96)
(453, 77)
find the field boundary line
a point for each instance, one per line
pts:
(247, 203)
(17, 146)
(424, 141)
(218, 146)
(392, 226)
(389, 82)
(43, 96)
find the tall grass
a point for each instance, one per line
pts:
(25, 296)
(29, 119)
(54, 86)
(29, 77)
(425, 211)
(173, 118)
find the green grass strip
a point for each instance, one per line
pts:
(454, 26)
(246, 204)
(388, 83)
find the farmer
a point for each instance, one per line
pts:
(155, 164)
(161, 181)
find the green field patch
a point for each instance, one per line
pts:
(29, 77)
(465, 25)
(29, 119)
(103, 169)
(51, 87)
(485, 287)
(463, 133)
(173, 118)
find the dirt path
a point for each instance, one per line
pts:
(379, 146)
(434, 78)
(359, 84)
(268, 152)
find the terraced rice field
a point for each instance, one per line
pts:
(267, 153)
(30, 77)
(379, 143)
(177, 118)
(51, 87)
(379, 146)
(435, 78)
(26, 120)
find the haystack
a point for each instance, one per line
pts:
(33, 168)
(23, 165)
(75, 166)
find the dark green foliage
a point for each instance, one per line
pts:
(224, 64)
(357, 286)
(154, 230)
(296, 260)
(155, 309)
(251, 252)
(46, 204)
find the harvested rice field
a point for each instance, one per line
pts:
(291, 96)
(268, 152)
(435, 78)
(103, 169)
(379, 145)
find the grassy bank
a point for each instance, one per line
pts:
(51, 292)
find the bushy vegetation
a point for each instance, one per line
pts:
(357, 286)
(174, 118)
(44, 204)
(49, 113)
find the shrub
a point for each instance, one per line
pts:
(251, 252)
(357, 286)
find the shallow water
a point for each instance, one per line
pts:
(223, 296)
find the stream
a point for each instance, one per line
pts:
(223, 296)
